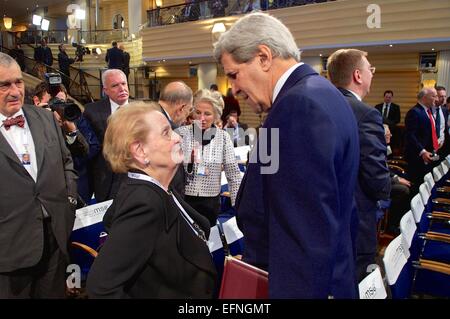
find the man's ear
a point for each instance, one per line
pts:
(264, 57)
(357, 76)
(36, 100)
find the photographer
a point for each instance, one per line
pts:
(80, 138)
(64, 65)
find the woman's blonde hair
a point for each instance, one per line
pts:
(212, 97)
(126, 126)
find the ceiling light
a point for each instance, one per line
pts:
(432, 49)
(45, 24)
(7, 22)
(80, 14)
(390, 45)
(37, 19)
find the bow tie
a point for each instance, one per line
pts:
(18, 120)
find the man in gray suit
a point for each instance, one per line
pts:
(37, 194)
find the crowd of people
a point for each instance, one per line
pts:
(308, 215)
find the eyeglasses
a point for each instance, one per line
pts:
(372, 69)
(5, 86)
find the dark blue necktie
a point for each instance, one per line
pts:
(437, 122)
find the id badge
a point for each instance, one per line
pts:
(25, 158)
(202, 170)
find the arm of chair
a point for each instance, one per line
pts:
(442, 237)
(84, 247)
(397, 169)
(439, 215)
(398, 162)
(433, 266)
(442, 201)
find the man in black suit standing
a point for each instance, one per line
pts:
(390, 111)
(421, 138)
(351, 73)
(114, 57)
(115, 86)
(38, 193)
(176, 104)
(443, 135)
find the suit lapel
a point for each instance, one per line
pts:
(6, 149)
(191, 247)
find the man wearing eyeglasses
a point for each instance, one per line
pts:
(38, 193)
(351, 73)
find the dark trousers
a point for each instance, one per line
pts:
(206, 206)
(46, 280)
(400, 204)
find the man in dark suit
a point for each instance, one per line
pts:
(296, 208)
(350, 71)
(105, 182)
(443, 135)
(421, 142)
(38, 194)
(126, 61)
(389, 111)
(64, 65)
(44, 57)
(176, 104)
(114, 57)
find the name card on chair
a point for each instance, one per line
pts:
(372, 287)
(429, 181)
(408, 227)
(395, 257)
(91, 215)
(214, 241)
(231, 230)
(417, 207)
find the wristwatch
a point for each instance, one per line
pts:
(72, 200)
(72, 134)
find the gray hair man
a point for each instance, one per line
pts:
(297, 219)
(38, 194)
(176, 102)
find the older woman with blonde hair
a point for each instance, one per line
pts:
(156, 247)
(207, 149)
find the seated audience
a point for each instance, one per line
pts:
(156, 246)
(399, 194)
(206, 149)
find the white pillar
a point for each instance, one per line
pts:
(207, 75)
(134, 16)
(443, 67)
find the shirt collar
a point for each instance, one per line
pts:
(356, 95)
(115, 106)
(2, 117)
(282, 80)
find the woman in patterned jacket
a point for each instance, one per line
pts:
(207, 149)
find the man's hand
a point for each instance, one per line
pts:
(426, 156)
(404, 181)
(66, 125)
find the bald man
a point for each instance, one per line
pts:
(176, 104)
(421, 138)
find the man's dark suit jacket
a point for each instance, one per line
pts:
(151, 252)
(105, 182)
(393, 116)
(374, 182)
(115, 58)
(43, 55)
(418, 137)
(178, 182)
(21, 198)
(300, 222)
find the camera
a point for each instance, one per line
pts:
(80, 51)
(68, 111)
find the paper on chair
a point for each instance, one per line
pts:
(90, 215)
(214, 241)
(231, 230)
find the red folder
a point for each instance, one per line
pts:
(243, 281)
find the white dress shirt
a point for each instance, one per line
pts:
(115, 106)
(21, 141)
(282, 80)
